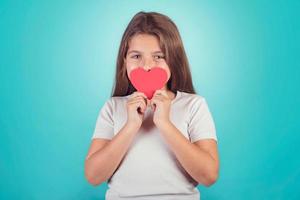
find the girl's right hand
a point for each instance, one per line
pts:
(136, 106)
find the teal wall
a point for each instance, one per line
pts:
(57, 64)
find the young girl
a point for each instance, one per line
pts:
(159, 148)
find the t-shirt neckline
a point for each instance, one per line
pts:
(177, 95)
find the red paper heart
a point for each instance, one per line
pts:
(148, 81)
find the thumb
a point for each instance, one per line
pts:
(148, 102)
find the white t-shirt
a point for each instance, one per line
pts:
(150, 170)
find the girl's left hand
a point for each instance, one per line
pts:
(161, 104)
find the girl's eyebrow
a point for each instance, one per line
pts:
(136, 51)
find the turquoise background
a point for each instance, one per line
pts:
(57, 64)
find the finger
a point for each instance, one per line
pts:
(161, 92)
(144, 99)
(139, 104)
(156, 92)
(138, 98)
(155, 101)
(143, 108)
(136, 93)
(148, 102)
(154, 104)
(138, 101)
(158, 97)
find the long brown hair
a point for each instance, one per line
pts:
(170, 42)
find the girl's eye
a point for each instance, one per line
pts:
(156, 57)
(135, 56)
(159, 57)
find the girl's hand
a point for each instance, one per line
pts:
(161, 104)
(136, 106)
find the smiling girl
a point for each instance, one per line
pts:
(159, 148)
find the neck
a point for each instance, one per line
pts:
(169, 92)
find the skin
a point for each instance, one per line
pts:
(199, 159)
(144, 51)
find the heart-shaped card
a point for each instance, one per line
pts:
(148, 81)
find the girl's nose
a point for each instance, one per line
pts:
(147, 68)
(148, 65)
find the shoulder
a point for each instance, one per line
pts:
(193, 103)
(191, 99)
(116, 101)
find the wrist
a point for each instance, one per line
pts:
(132, 126)
(163, 123)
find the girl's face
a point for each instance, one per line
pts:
(144, 51)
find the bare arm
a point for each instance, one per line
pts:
(105, 157)
(100, 165)
(199, 159)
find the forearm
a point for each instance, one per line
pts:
(102, 164)
(197, 162)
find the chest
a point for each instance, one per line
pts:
(178, 116)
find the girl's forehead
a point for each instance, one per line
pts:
(144, 41)
(143, 51)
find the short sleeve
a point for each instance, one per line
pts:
(104, 127)
(201, 124)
